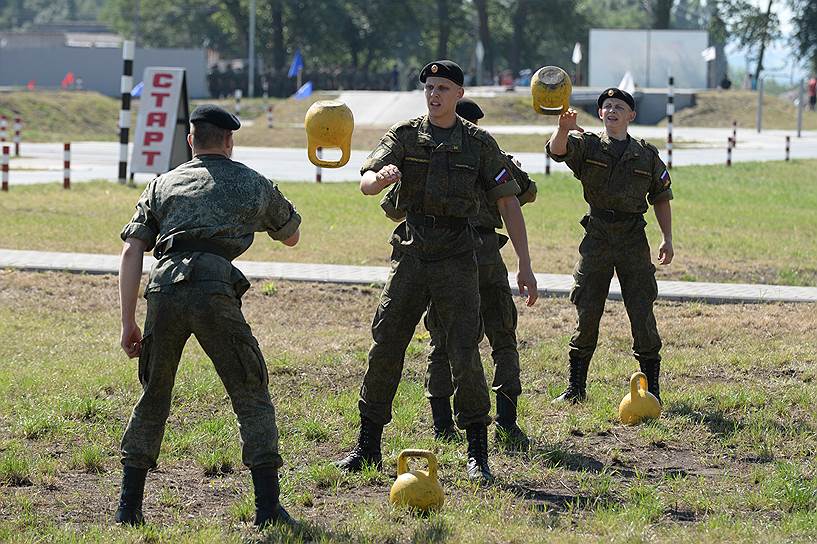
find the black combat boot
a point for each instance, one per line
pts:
(130, 501)
(367, 450)
(268, 509)
(477, 466)
(576, 391)
(652, 369)
(444, 428)
(507, 431)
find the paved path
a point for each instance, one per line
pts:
(549, 284)
(42, 163)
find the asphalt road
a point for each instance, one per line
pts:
(42, 163)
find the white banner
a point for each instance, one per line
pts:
(156, 147)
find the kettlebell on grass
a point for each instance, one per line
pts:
(329, 124)
(418, 489)
(639, 404)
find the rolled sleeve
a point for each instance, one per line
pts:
(527, 188)
(280, 219)
(388, 151)
(143, 225)
(661, 186)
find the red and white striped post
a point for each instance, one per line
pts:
(17, 126)
(237, 94)
(318, 168)
(269, 115)
(729, 152)
(4, 123)
(788, 147)
(5, 167)
(670, 112)
(734, 133)
(547, 162)
(66, 166)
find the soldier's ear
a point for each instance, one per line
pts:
(190, 139)
(632, 116)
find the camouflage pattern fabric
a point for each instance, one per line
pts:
(625, 185)
(221, 202)
(434, 264)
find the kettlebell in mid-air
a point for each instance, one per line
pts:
(550, 89)
(418, 489)
(639, 404)
(329, 124)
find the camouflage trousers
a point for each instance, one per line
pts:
(499, 317)
(219, 326)
(451, 284)
(622, 247)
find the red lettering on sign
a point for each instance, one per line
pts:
(157, 80)
(151, 137)
(156, 118)
(160, 97)
(150, 155)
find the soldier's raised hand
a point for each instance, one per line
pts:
(567, 120)
(388, 175)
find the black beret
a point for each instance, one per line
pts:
(469, 110)
(215, 115)
(443, 68)
(612, 92)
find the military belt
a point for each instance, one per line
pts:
(435, 221)
(614, 216)
(203, 246)
(485, 230)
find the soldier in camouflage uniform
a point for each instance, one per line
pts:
(497, 309)
(199, 217)
(444, 165)
(619, 175)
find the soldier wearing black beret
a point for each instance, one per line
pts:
(620, 176)
(198, 218)
(445, 167)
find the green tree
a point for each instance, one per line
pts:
(805, 30)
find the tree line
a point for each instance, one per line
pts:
(372, 36)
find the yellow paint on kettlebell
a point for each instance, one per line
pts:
(639, 404)
(329, 124)
(550, 90)
(418, 489)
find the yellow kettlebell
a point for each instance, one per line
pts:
(639, 404)
(550, 89)
(329, 124)
(418, 489)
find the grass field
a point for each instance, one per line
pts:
(753, 222)
(730, 460)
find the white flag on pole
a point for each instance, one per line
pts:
(709, 53)
(627, 83)
(577, 53)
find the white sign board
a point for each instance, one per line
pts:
(163, 123)
(649, 55)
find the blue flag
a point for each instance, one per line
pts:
(297, 64)
(304, 91)
(136, 92)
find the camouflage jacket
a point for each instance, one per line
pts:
(214, 199)
(623, 185)
(447, 179)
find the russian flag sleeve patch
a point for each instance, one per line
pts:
(665, 178)
(502, 177)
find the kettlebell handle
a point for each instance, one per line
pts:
(402, 461)
(313, 157)
(636, 379)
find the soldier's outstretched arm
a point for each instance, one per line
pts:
(130, 275)
(511, 213)
(371, 182)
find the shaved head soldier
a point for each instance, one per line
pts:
(620, 175)
(445, 167)
(497, 309)
(199, 217)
